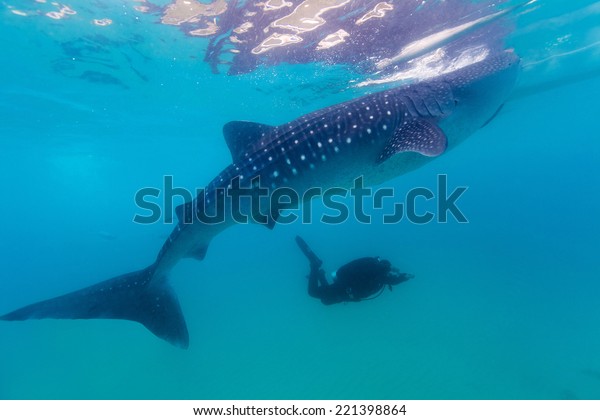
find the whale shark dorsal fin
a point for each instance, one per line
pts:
(420, 136)
(244, 136)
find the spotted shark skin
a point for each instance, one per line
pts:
(378, 136)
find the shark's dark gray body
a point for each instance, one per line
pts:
(379, 136)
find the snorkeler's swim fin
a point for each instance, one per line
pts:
(314, 260)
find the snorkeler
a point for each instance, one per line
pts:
(361, 279)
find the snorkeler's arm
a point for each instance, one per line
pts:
(399, 277)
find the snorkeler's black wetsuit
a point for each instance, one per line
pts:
(354, 282)
(360, 279)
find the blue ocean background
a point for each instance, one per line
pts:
(504, 307)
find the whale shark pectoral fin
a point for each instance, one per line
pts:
(272, 221)
(268, 220)
(242, 136)
(276, 209)
(420, 136)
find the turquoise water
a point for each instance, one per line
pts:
(505, 306)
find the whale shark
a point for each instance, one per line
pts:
(379, 136)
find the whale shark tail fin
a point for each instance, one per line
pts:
(135, 296)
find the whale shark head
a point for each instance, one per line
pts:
(457, 104)
(479, 91)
